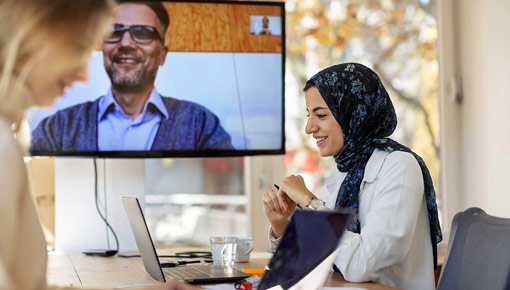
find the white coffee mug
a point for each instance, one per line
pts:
(244, 247)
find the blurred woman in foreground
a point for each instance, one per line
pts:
(44, 48)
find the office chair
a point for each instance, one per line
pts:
(478, 255)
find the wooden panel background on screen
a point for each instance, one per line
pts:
(213, 27)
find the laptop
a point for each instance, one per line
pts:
(193, 274)
(305, 255)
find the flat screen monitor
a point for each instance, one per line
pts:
(175, 79)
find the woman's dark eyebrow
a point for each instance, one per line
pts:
(318, 108)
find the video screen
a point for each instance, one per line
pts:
(175, 79)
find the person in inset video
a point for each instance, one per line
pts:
(132, 116)
(265, 27)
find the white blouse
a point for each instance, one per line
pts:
(23, 255)
(394, 247)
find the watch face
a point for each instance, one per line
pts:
(315, 203)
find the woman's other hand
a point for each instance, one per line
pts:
(277, 207)
(294, 187)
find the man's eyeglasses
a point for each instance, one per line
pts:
(142, 34)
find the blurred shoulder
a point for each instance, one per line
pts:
(8, 145)
(12, 167)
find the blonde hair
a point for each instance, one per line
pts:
(31, 28)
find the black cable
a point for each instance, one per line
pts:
(105, 200)
(104, 253)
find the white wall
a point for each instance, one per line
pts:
(261, 172)
(450, 112)
(484, 61)
(77, 224)
(476, 172)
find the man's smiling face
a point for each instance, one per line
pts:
(130, 65)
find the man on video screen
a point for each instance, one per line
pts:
(133, 116)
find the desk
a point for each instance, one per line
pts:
(78, 270)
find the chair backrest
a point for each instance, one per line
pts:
(478, 254)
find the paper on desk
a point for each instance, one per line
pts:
(231, 287)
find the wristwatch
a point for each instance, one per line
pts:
(315, 204)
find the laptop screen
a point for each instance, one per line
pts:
(310, 237)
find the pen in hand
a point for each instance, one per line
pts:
(277, 187)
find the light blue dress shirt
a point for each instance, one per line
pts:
(118, 132)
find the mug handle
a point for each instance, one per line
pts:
(251, 246)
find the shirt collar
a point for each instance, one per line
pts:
(374, 164)
(108, 102)
(156, 99)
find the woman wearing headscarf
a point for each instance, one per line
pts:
(395, 229)
(44, 48)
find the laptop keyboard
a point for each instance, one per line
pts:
(186, 273)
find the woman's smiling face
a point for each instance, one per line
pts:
(322, 124)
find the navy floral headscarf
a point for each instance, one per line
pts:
(360, 104)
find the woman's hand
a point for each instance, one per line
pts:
(295, 188)
(277, 207)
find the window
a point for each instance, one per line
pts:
(189, 200)
(396, 38)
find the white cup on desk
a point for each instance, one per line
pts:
(244, 247)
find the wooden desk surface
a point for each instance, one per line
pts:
(78, 270)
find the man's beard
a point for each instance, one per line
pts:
(133, 82)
